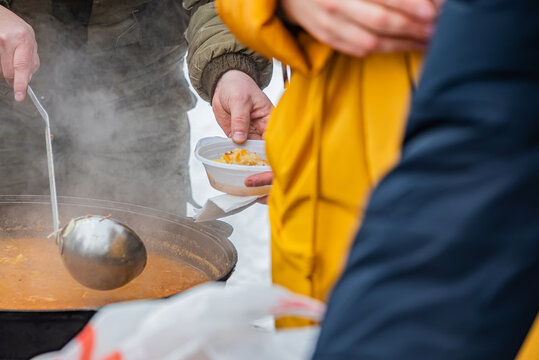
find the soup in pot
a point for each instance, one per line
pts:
(33, 277)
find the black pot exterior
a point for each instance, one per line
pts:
(26, 334)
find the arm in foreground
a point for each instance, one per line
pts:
(444, 264)
(228, 74)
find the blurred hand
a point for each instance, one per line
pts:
(18, 52)
(265, 178)
(362, 27)
(240, 107)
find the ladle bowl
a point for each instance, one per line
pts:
(101, 253)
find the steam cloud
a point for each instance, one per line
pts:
(118, 115)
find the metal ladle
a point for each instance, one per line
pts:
(99, 252)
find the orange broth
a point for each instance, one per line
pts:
(33, 277)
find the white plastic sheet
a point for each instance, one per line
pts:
(208, 322)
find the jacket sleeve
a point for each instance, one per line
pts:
(213, 50)
(257, 24)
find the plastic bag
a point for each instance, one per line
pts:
(208, 322)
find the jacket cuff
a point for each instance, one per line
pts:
(220, 65)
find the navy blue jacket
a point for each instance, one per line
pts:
(446, 264)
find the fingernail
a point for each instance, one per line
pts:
(425, 12)
(19, 96)
(249, 182)
(238, 136)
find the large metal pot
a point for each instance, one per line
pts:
(24, 334)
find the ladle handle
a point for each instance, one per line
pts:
(50, 163)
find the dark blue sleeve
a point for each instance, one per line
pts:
(446, 264)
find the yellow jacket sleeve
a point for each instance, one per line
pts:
(257, 25)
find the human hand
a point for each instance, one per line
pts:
(240, 107)
(362, 27)
(265, 178)
(18, 52)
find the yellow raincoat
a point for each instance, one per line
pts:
(335, 132)
(530, 347)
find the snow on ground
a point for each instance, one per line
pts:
(251, 227)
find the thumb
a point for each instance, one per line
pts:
(261, 179)
(240, 118)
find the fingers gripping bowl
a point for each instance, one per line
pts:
(230, 178)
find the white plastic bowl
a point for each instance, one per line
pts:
(230, 178)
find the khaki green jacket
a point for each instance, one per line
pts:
(114, 24)
(213, 50)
